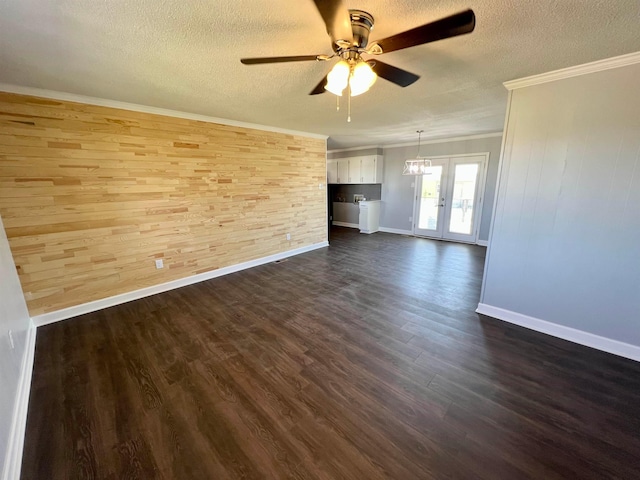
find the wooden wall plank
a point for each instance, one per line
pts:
(91, 196)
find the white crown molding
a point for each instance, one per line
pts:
(424, 142)
(66, 313)
(592, 67)
(560, 331)
(353, 149)
(445, 140)
(13, 462)
(102, 102)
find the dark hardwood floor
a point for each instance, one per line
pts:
(361, 361)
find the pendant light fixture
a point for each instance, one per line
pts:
(419, 165)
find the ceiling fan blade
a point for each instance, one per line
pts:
(336, 18)
(394, 74)
(457, 24)
(260, 60)
(319, 88)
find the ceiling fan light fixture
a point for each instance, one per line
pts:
(338, 78)
(362, 78)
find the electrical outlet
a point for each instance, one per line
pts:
(159, 263)
(413, 185)
(320, 185)
(288, 236)
(411, 219)
(11, 340)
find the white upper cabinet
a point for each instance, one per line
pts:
(368, 171)
(354, 170)
(362, 169)
(332, 171)
(343, 170)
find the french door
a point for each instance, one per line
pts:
(448, 198)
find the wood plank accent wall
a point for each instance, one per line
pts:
(91, 196)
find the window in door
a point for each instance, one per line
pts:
(448, 198)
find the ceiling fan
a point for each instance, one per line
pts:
(349, 31)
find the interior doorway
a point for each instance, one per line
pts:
(448, 198)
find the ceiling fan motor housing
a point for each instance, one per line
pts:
(361, 25)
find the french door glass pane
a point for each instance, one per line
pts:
(429, 198)
(464, 192)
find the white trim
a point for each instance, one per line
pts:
(496, 194)
(65, 313)
(478, 207)
(592, 67)
(397, 231)
(483, 243)
(445, 140)
(353, 149)
(483, 184)
(413, 143)
(345, 224)
(560, 331)
(103, 102)
(19, 420)
(414, 185)
(454, 155)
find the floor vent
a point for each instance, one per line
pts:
(281, 260)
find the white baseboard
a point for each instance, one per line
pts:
(65, 313)
(345, 224)
(19, 419)
(566, 333)
(396, 231)
(482, 243)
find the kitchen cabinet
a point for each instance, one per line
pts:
(354, 170)
(332, 171)
(368, 170)
(343, 170)
(369, 218)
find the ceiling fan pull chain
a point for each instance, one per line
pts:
(349, 106)
(337, 103)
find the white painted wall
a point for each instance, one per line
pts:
(565, 244)
(15, 317)
(397, 192)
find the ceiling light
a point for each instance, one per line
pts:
(419, 165)
(353, 72)
(362, 77)
(338, 78)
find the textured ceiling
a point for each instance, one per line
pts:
(184, 55)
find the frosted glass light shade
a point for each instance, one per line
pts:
(361, 79)
(338, 78)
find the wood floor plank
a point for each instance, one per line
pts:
(361, 361)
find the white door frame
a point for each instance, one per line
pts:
(480, 193)
(438, 231)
